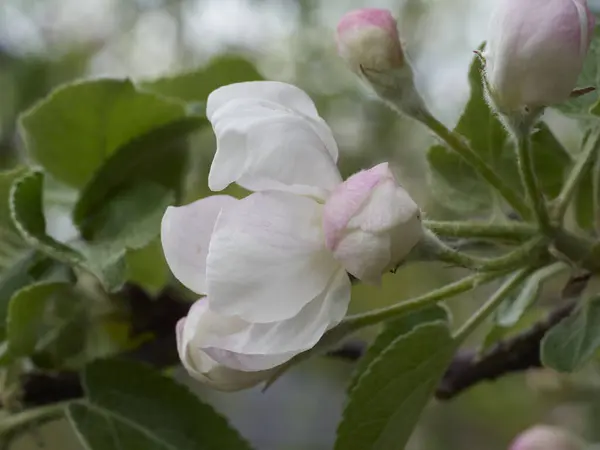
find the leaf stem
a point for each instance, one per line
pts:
(583, 164)
(512, 231)
(355, 322)
(482, 313)
(432, 248)
(528, 178)
(457, 143)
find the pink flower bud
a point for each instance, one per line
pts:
(371, 223)
(544, 437)
(368, 39)
(535, 51)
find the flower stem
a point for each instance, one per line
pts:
(527, 171)
(456, 143)
(480, 315)
(432, 248)
(582, 166)
(353, 323)
(512, 231)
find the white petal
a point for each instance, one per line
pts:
(267, 257)
(263, 145)
(266, 345)
(201, 366)
(185, 234)
(283, 94)
(365, 255)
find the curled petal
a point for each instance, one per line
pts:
(267, 257)
(185, 234)
(270, 137)
(199, 364)
(261, 346)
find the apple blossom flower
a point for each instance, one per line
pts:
(274, 283)
(535, 51)
(545, 437)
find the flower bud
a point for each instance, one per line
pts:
(368, 40)
(535, 52)
(371, 223)
(544, 437)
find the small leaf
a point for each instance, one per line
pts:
(392, 330)
(385, 405)
(78, 126)
(12, 246)
(573, 341)
(196, 85)
(455, 184)
(28, 313)
(512, 309)
(147, 267)
(590, 76)
(130, 406)
(27, 213)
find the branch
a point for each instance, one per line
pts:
(160, 316)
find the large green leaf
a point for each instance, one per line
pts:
(195, 86)
(393, 330)
(388, 399)
(589, 77)
(158, 156)
(573, 342)
(131, 406)
(75, 129)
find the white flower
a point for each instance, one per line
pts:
(272, 285)
(536, 50)
(545, 437)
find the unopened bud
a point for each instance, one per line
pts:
(367, 39)
(371, 223)
(535, 52)
(545, 437)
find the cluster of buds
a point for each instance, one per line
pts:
(535, 52)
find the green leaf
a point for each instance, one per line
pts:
(12, 246)
(590, 76)
(512, 309)
(392, 330)
(27, 213)
(131, 406)
(455, 184)
(574, 340)
(147, 267)
(158, 156)
(458, 187)
(78, 126)
(30, 315)
(196, 85)
(478, 123)
(385, 405)
(587, 194)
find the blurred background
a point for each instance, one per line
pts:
(44, 43)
